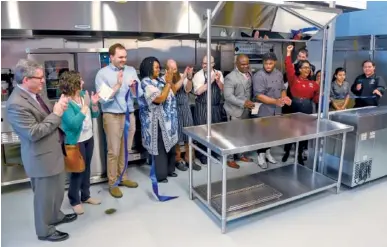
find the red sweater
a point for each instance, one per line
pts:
(301, 88)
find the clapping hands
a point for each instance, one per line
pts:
(61, 106)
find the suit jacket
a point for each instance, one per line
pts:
(237, 89)
(41, 148)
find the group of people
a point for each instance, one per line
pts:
(164, 110)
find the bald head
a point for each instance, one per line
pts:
(243, 63)
(171, 64)
(172, 67)
(204, 62)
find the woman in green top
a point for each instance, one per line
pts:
(77, 124)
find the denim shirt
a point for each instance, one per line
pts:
(108, 75)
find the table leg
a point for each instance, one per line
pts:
(341, 162)
(209, 176)
(316, 152)
(296, 153)
(190, 150)
(224, 193)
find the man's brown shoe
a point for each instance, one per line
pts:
(115, 192)
(233, 164)
(129, 184)
(245, 159)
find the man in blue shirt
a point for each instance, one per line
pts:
(121, 79)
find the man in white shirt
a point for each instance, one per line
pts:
(200, 90)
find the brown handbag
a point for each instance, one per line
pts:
(74, 161)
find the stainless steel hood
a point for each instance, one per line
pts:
(157, 19)
(230, 18)
(119, 19)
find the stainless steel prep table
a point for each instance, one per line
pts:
(243, 196)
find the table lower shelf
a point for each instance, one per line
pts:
(257, 192)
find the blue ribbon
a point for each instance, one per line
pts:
(152, 174)
(155, 185)
(303, 30)
(363, 97)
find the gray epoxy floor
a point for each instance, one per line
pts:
(354, 218)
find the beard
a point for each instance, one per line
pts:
(176, 77)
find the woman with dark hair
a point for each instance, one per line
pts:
(317, 77)
(339, 91)
(304, 91)
(78, 126)
(158, 116)
(368, 87)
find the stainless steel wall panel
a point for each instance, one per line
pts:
(227, 57)
(183, 51)
(71, 15)
(163, 17)
(196, 12)
(88, 65)
(354, 62)
(49, 15)
(15, 49)
(116, 16)
(83, 44)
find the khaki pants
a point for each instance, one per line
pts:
(132, 131)
(186, 155)
(113, 125)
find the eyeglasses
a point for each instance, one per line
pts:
(35, 77)
(305, 68)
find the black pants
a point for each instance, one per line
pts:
(164, 162)
(303, 106)
(80, 182)
(263, 150)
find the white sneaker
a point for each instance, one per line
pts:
(262, 161)
(270, 158)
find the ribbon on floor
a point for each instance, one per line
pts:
(152, 173)
(155, 186)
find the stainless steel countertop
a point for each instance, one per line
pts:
(252, 134)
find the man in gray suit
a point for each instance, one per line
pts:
(237, 95)
(36, 123)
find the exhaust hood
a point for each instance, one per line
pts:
(159, 19)
(144, 20)
(231, 19)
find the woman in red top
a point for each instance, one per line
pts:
(304, 92)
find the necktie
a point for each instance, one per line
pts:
(45, 108)
(42, 104)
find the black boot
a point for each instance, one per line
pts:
(286, 156)
(300, 159)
